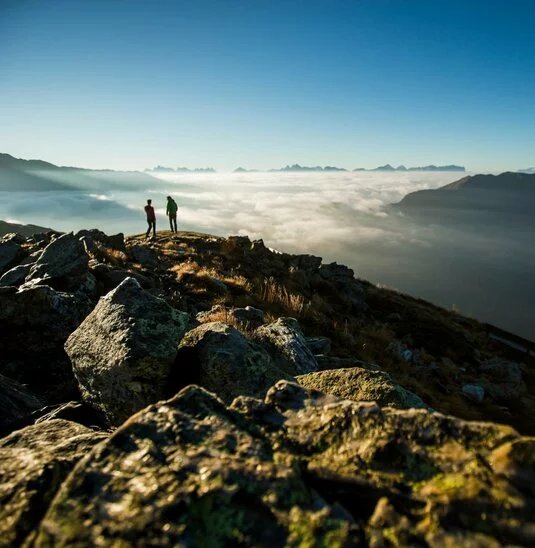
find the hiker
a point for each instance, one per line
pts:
(151, 218)
(171, 212)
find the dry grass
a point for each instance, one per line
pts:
(225, 316)
(188, 267)
(114, 257)
(273, 293)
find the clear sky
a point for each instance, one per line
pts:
(263, 83)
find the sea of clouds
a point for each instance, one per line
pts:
(340, 216)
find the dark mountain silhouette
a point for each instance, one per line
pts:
(24, 230)
(505, 192)
(388, 167)
(297, 167)
(507, 199)
(17, 174)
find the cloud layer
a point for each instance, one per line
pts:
(339, 216)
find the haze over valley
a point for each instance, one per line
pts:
(473, 259)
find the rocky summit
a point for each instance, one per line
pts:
(194, 390)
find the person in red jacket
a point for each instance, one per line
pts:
(151, 218)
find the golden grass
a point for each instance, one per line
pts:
(112, 256)
(273, 293)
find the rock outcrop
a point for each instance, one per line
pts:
(299, 465)
(220, 359)
(288, 346)
(123, 351)
(359, 384)
(63, 265)
(34, 462)
(243, 455)
(35, 323)
(10, 251)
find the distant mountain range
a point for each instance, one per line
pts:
(527, 170)
(17, 174)
(387, 167)
(505, 197)
(163, 169)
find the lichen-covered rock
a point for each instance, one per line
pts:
(63, 264)
(190, 472)
(360, 384)
(220, 359)
(123, 351)
(299, 468)
(335, 362)
(34, 462)
(287, 344)
(16, 403)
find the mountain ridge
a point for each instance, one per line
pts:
(508, 192)
(248, 397)
(17, 174)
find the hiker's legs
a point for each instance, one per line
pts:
(173, 222)
(154, 229)
(148, 229)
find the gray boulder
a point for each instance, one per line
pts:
(300, 468)
(249, 316)
(63, 264)
(10, 254)
(143, 255)
(110, 277)
(33, 464)
(287, 345)
(42, 307)
(35, 323)
(219, 358)
(123, 351)
(188, 472)
(16, 403)
(342, 277)
(15, 276)
(115, 241)
(360, 384)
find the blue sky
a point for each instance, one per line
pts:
(259, 84)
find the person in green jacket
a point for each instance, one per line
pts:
(171, 213)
